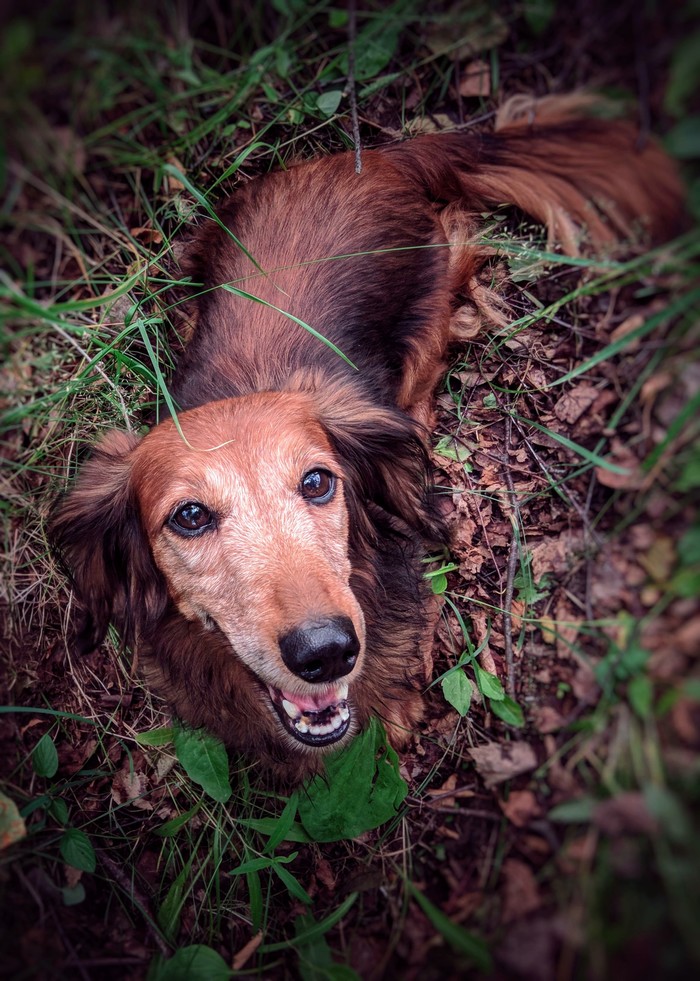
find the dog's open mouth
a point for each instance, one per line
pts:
(316, 721)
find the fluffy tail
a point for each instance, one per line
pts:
(592, 182)
(589, 180)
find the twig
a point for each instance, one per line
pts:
(352, 36)
(512, 565)
(128, 887)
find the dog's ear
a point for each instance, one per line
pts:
(98, 534)
(386, 462)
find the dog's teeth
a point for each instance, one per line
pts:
(343, 692)
(344, 712)
(291, 709)
(301, 726)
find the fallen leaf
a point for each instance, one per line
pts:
(626, 813)
(475, 80)
(521, 894)
(575, 402)
(497, 762)
(246, 952)
(521, 807)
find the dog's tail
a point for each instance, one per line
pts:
(592, 182)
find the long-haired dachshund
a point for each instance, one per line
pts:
(263, 549)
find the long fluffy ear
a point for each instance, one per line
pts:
(98, 534)
(386, 462)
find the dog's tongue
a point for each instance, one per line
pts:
(316, 703)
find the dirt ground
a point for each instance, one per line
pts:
(564, 835)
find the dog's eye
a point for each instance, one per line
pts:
(191, 518)
(318, 486)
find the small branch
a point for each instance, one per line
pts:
(128, 887)
(512, 566)
(352, 36)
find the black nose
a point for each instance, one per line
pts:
(321, 651)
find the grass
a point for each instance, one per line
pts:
(132, 124)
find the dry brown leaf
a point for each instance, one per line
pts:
(497, 762)
(521, 807)
(246, 952)
(660, 559)
(574, 403)
(521, 893)
(476, 79)
(621, 456)
(626, 813)
(547, 719)
(129, 786)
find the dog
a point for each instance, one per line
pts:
(263, 548)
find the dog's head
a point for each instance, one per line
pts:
(246, 516)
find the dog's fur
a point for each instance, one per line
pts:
(282, 592)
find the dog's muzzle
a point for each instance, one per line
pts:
(321, 653)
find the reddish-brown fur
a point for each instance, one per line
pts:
(235, 616)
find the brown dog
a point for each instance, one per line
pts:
(263, 550)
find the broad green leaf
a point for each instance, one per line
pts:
(262, 862)
(45, 757)
(155, 737)
(507, 710)
(12, 827)
(194, 963)
(488, 684)
(577, 811)
(58, 809)
(205, 761)
(438, 583)
(328, 102)
(76, 850)
(457, 690)
(361, 789)
(640, 694)
(457, 937)
(73, 895)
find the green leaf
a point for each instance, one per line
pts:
(58, 809)
(454, 449)
(640, 694)
(577, 811)
(328, 102)
(457, 690)
(205, 761)
(538, 14)
(45, 757)
(172, 826)
(689, 546)
(684, 76)
(194, 963)
(73, 895)
(457, 937)
(293, 885)
(285, 822)
(488, 684)
(313, 932)
(684, 139)
(155, 737)
(12, 827)
(269, 826)
(76, 850)
(170, 909)
(361, 789)
(508, 710)
(438, 583)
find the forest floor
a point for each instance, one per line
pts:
(549, 824)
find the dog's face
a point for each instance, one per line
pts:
(247, 522)
(253, 520)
